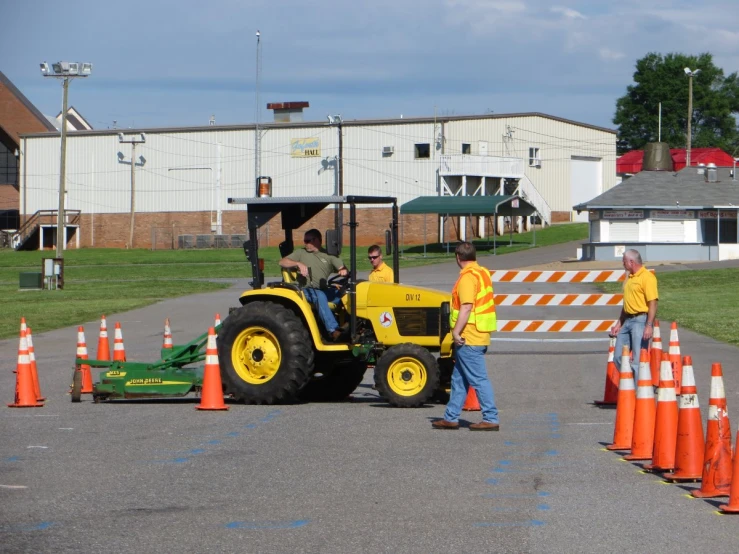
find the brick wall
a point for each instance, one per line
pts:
(162, 229)
(8, 197)
(15, 117)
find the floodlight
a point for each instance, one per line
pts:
(45, 69)
(687, 71)
(85, 68)
(57, 67)
(74, 68)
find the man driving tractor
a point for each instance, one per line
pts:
(315, 265)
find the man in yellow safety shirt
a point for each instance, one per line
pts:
(636, 321)
(381, 272)
(472, 320)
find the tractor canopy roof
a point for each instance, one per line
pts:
(296, 210)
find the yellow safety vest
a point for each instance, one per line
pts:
(483, 312)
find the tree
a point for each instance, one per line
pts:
(662, 79)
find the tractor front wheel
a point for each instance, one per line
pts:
(265, 353)
(406, 375)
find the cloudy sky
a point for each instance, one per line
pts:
(176, 63)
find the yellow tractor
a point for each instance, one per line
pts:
(273, 348)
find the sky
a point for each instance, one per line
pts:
(161, 63)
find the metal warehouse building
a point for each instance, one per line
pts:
(183, 176)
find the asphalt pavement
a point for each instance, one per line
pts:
(354, 476)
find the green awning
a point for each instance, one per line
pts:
(502, 205)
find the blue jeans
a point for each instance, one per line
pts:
(630, 335)
(470, 371)
(320, 299)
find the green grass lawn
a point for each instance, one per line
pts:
(704, 301)
(106, 281)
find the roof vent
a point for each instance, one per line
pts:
(657, 157)
(701, 169)
(711, 173)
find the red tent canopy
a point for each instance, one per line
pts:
(631, 162)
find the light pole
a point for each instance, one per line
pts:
(690, 73)
(64, 71)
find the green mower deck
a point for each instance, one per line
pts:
(167, 377)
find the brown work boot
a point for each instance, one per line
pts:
(336, 335)
(444, 424)
(484, 426)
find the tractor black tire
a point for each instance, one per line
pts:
(265, 353)
(337, 380)
(407, 375)
(76, 392)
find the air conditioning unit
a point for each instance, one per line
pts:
(388, 149)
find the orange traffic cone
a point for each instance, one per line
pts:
(103, 344)
(643, 436)
(675, 360)
(655, 353)
(690, 443)
(211, 396)
(471, 404)
(23, 328)
(665, 428)
(119, 351)
(625, 407)
(733, 506)
(25, 396)
(217, 321)
(610, 393)
(716, 478)
(82, 355)
(167, 336)
(34, 369)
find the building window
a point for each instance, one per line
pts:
(534, 157)
(423, 150)
(8, 166)
(466, 148)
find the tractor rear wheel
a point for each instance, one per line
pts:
(406, 375)
(334, 380)
(265, 353)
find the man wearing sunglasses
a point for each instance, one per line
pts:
(381, 272)
(315, 266)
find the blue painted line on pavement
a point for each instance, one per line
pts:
(12, 459)
(196, 451)
(530, 523)
(214, 441)
(267, 524)
(492, 481)
(232, 434)
(542, 507)
(250, 425)
(38, 527)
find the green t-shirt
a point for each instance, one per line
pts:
(320, 266)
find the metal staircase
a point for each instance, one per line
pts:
(524, 188)
(27, 237)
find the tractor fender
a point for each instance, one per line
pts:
(295, 301)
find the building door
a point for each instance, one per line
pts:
(586, 182)
(482, 148)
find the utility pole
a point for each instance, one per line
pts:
(339, 209)
(133, 141)
(257, 131)
(64, 71)
(690, 73)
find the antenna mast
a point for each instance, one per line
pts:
(257, 132)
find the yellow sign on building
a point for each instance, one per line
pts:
(305, 147)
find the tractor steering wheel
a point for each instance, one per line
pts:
(341, 282)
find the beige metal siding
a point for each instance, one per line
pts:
(180, 169)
